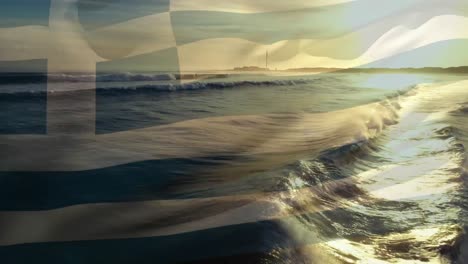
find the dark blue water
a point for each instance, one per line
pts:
(377, 192)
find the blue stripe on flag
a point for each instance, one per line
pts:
(139, 181)
(15, 13)
(217, 242)
(99, 13)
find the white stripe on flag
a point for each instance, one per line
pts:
(247, 6)
(368, 45)
(24, 43)
(137, 36)
(292, 133)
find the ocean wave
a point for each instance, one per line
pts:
(165, 87)
(354, 218)
(397, 191)
(135, 87)
(461, 108)
(128, 77)
(28, 78)
(111, 77)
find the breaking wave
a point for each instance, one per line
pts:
(143, 84)
(201, 85)
(392, 199)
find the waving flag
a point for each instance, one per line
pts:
(84, 178)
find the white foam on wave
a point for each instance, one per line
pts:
(421, 167)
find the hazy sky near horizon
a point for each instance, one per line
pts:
(209, 34)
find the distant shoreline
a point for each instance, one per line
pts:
(24, 76)
(461, 69)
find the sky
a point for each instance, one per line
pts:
(80, 35)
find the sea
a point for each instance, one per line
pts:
(238, 167)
